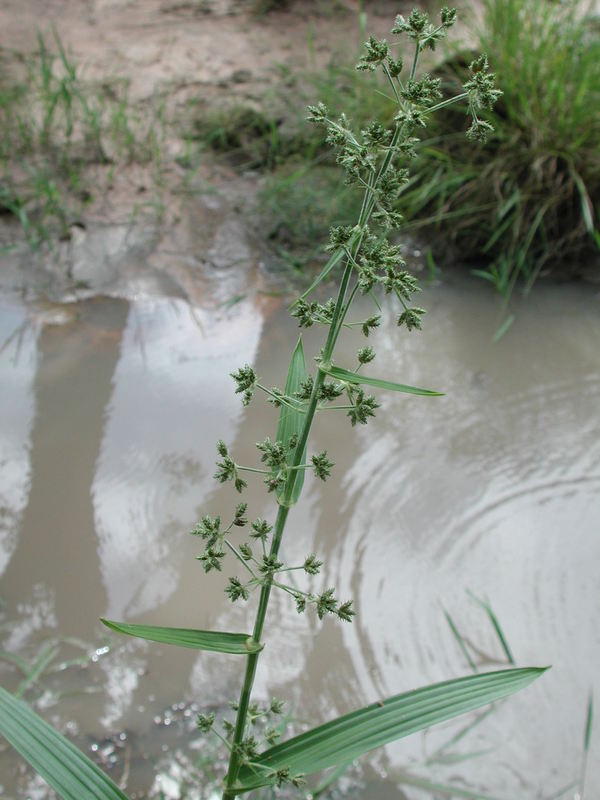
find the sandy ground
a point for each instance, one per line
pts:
(184, 55)
(197, 46)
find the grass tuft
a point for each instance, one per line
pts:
(54, 127)
(528, 202)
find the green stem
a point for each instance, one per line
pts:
(415, 59)
(450, 101)
(241, 559)
(251, 664)
(283, 399)
(265, 593)
(337, 321)
(253, 469)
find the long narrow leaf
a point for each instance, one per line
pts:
(460, 641)
(216, 641)
(354, 377)
(291, 420)
(353, 734)
(586, 744)
(45, 658)
(459, 735)
(494, 620)
(68, 771)
(588, 723)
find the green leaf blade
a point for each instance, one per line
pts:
(353, 734)
(291, 420)
(62, 765)
(341, 374)
(214, 641)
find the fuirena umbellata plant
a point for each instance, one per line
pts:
(377, 162)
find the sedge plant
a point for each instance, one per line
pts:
(376, 161)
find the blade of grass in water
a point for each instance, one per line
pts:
(586, 743)
(461, 641)
(494, 620)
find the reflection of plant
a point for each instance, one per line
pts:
(48, 660)
(376, 160)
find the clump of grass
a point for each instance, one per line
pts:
(248, 137)
(301, 193)
(304, 195)
(528, 202)
(297, 206)
(54, 126)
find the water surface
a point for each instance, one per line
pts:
(111, 409)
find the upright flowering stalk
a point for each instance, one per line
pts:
(377, 161)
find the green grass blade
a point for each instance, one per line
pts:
(589, 722)
(65, 768)
(291, 420)
(494, 620)
(216, 641)
(18, 662)
(503, 328)
(341, 374)
(587, 208)
(438, 754)
(353, 734)
(45, 658)
(586, 743)
(460, 641)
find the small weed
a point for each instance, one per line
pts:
(525, 204)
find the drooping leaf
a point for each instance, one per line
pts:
(353, 734)
(216, 641)
(291, 419)
(68, 771)
(357, 377)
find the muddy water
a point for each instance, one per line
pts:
(110, 411)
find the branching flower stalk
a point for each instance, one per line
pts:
(377, 159)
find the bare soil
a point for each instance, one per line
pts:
(204, 47)
(185, 55)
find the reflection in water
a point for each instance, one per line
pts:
(18, 362)
(76, 361)
(172, 393)
(494, 488)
